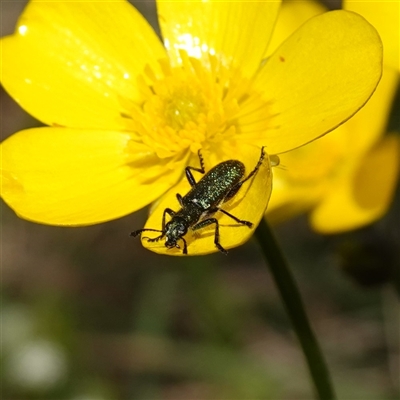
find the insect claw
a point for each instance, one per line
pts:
(221, 249)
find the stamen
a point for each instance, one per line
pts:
(189, 106)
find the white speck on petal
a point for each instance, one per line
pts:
(23, 29)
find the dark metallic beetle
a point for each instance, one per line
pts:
(203, 200)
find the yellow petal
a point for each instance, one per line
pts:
(292, 15)
(288, 201)
(363, 196)
(236, 32)
(66, 176)
(72, 63)
(309, 171)
(385, 17)
(305, 174)
(249, 204)
(365, 129)
(317, 79)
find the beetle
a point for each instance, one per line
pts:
(204, 199)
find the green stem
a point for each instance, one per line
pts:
(295, 309)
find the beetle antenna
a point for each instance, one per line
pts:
(139, 231)
(156, 239)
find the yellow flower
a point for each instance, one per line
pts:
(385, 17)
(347, 178)
(127, 114)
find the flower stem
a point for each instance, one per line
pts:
(295, 309)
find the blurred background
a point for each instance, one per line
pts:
(88, 314)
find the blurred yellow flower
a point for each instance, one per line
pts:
(347, 178)
(127, 113)
(385, 17)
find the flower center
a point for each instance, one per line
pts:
(183, 107)
(190, 107)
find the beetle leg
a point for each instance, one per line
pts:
(233, 191)
(189, 175)
(184, 246)
(180, 199)
(239, 221)
(169, 212)
(203, 170)
(236, 188)
(207, 222)
(257, 167)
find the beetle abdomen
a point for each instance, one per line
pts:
(215, 184)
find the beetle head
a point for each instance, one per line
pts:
(175, 230)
